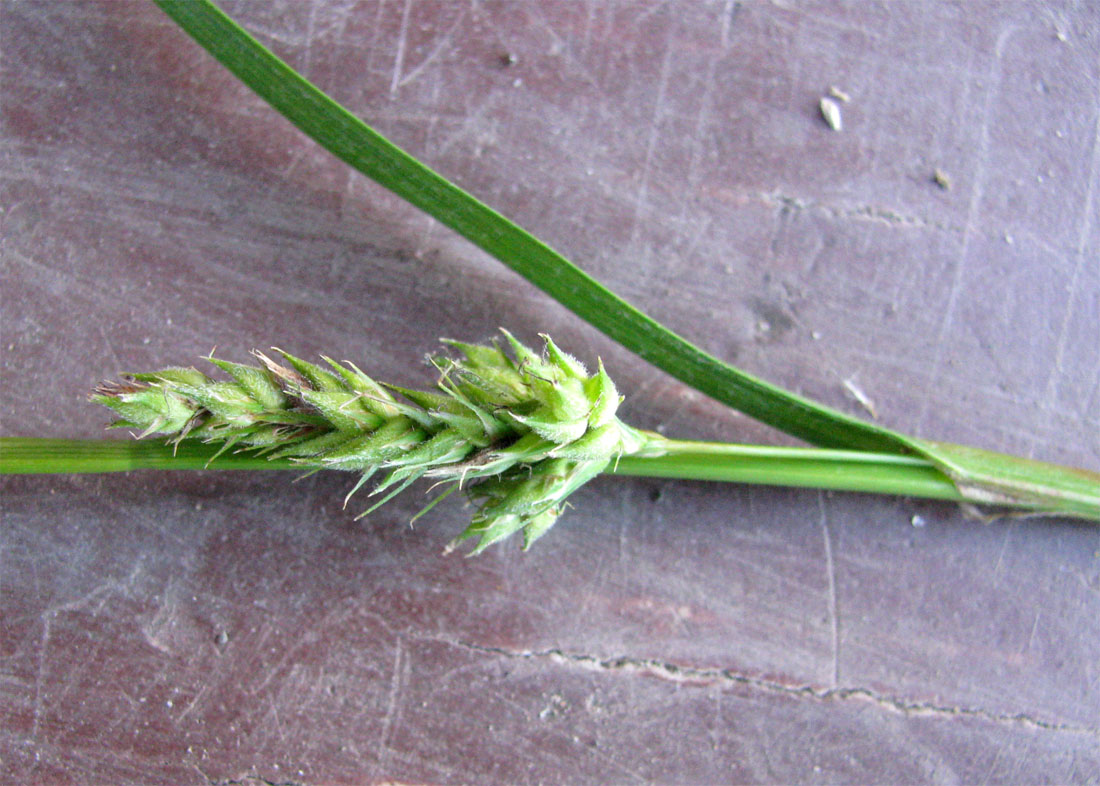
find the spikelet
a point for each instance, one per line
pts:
(519, 432)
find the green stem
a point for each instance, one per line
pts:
(1074, 493)
(775, 466)
(840, 470)
(953, 472)
(33, 456)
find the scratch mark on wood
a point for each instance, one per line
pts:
(97, 593)
(973, 215)
(110, 347)
(993, 765)
(1034, 631)
(1001, 556)
(622, 541)
(561, 46)
(310, 21)
(277, 722)
(295, 159)
(191, 705)
(613, 761)
(40, 677)
(733, 7)
(756, 567)
(1083, 234)
(432, 55)
(392, 703)
(399, 58)
(654, 134)
(830, 571)
(698, 135)
(702, 231)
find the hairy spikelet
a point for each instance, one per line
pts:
(520, 431)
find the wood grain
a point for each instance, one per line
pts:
(202, 628)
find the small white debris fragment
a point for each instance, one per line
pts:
(839, 94)
(816, 335)
(830, 111)
(917, 521)
(941, 179)
(862, 398)
(1009, 240)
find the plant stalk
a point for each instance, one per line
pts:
(37, 456)
(685, 460)
(822, 468)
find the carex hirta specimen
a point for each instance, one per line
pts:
(518, 432)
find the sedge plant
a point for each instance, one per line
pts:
(518, 430)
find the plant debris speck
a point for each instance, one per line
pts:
(830, 111)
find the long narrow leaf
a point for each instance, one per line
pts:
(351, 140)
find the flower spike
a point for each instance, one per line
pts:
(518, 432)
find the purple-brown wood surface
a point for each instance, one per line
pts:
(939, 255)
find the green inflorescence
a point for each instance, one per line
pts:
(519, 432)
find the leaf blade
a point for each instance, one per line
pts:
(348, 138)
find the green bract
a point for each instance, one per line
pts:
(520, 432)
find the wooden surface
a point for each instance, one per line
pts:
(195, 628)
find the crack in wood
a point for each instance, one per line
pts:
(250, 779)
(694, 674)
(856, 212)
